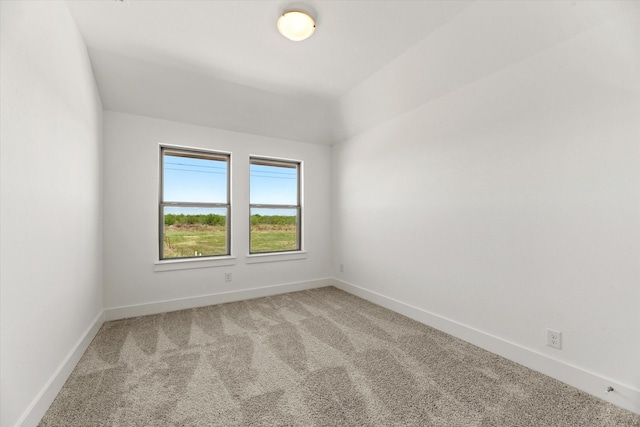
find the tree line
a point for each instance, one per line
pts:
(210, 219)
(221, 220)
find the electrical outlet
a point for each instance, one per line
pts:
(554, 339)
(341, 268)
(227, 277)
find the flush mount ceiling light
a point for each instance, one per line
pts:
(296, 25)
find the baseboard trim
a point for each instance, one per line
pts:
(45, 398)
(623, 395)
(211, 299)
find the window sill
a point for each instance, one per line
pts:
(185, 264)
(275, 257)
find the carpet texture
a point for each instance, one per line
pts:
(320, 357)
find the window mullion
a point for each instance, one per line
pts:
(257, 206)
(195, 205)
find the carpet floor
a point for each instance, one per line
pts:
(320, 357)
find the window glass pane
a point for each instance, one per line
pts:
(191, 179)
(190, 232)
(274, 230)
(274, 185)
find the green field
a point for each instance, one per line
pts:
(268, 238)
(189, 236)
(188, 240)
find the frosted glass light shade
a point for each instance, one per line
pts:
(296, 25)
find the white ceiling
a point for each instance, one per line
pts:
(237, 41)
(222, 64)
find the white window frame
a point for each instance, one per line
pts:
(289, 254)
(188, 262)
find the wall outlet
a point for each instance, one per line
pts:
(554, 338)
(227, 277)
(341, 268)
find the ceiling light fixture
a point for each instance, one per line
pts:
(296, 25)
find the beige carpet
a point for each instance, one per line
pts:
(314, 358)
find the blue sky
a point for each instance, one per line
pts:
(203, 180)
(273, 185)
(194, 180)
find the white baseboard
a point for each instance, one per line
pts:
(211, 299)
(623, 396)
(43, 400)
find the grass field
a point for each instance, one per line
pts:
(267, 238)
(188, 240)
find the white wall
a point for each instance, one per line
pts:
(131, 212)
(139, 87)
(507, 204)
(50, 204)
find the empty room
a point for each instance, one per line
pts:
(319, 213)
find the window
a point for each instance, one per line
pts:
(194, 203)
(275, 205)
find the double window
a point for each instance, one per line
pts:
(195, 207)
(194, 203)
